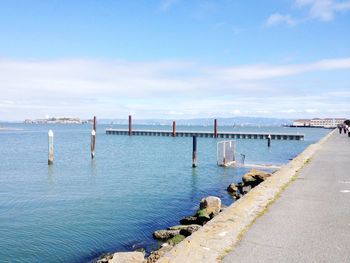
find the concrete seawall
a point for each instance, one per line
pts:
(219, 236)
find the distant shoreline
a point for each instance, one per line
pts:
(9, 129)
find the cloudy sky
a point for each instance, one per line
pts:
(174, 58)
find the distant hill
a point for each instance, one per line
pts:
(241, 121)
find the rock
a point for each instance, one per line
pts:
(203, 214)
(165, 234)
(232, 188)
(155, 255)
(176, 240)
(189, 230)
(127, 257)
(246, 189)
(141, 249)
(203, 217)
(223, 207)
(211, 204)
(181, 227)
(104, 258)
(189, 220)
(240, 186)
(237, 196)
(254, 177)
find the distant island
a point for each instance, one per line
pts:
(230, 121)
(58, 120)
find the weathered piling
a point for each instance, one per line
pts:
(215, 128)
(93, 138)
(269, 140)
(194, 152)
(93, 141)
(174, 129)
(95, 122)
(50, 140)
(130, 125)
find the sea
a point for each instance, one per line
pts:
(78, 209)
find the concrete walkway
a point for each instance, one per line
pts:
(310, 222)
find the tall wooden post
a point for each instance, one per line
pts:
(194, 152)
(269, 140)
(93, 141)
(130, 125)
(174, 129)
(50, 137)
(93, 138)
(94, 127)
(215, 128)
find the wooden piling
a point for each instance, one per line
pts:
(269, 140)
(130, 125)
(50, 140)
(215, 128)
(174, 129)
(194, 152)
(95, 122)
(93, 141)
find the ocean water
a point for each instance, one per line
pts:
(77, 209)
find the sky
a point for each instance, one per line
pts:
(174, 59)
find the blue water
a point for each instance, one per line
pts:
(78, 209)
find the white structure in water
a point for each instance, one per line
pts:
(226, 153)
(316, 122)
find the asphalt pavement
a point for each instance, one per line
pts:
(310, 222)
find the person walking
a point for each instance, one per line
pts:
(340, 128)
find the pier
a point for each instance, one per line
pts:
(207, 134)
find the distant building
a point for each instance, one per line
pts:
(317, 122)
(60, 120)
(302, 123)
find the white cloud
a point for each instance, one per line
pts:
(167, 4)
(324, 10)
(259, 72)
(35, 88)
(277, 18)
(289, 111)
(236, 112)
(320, 9)
(311, 110)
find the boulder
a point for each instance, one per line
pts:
(155, 255)
(240, 187)
(254, 177)
(189, 220)
(189, 230)
(181, 227)
(176, 240)
(232, 188)
(223, 207)
(211, 205)
(246, 189)
(165, 234)
(127, 257)
(237, 196)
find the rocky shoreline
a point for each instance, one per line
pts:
(209, 207)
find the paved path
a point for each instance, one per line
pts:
(310, 222)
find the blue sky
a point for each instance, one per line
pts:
(174, 58)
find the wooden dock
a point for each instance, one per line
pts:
(207, 134)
